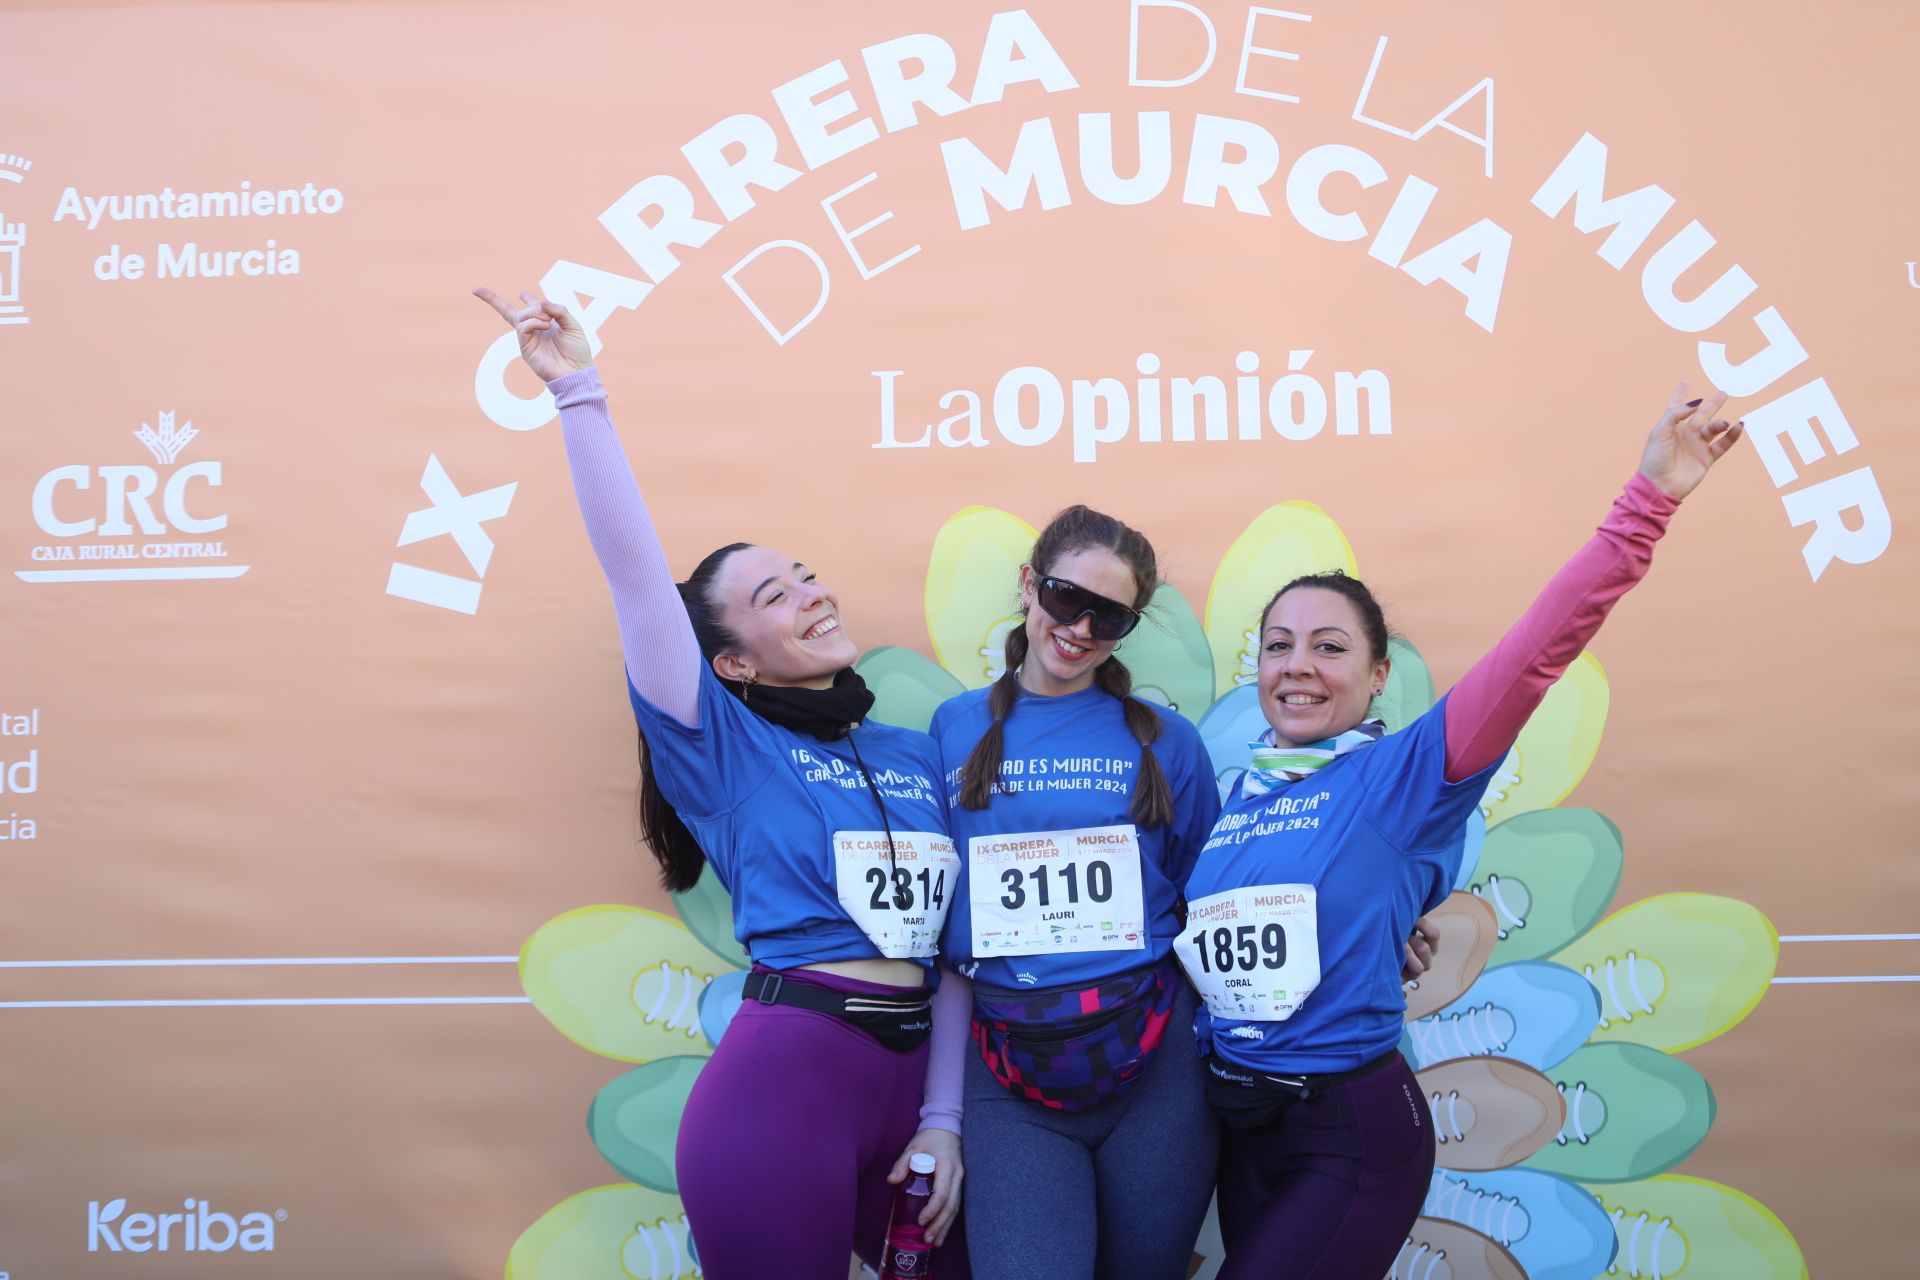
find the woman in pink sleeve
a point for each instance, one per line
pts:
(1339, 836)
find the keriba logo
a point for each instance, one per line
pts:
(197, 1228)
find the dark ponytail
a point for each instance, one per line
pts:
(1080, 528)
(1152, 793)
(981, 774)
(679, 854)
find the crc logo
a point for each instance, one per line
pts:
(145, 503)
(197, 1228)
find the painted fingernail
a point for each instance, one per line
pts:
(1693, 404)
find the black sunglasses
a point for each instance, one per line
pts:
(1068, 602)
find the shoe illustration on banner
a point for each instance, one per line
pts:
(1409, 689)
(1632, 1112)
(1489, 1113)
(1532, 1011)
(1548, 875)
(971, 598)
(1284, 542)
(1673, 1226)
(707, 911)
(1555, 748)
(1473, 840)
(620, 1232)
(1467, 930)
(1554, 1228)
(1676, 970)
(622, 981)
(1437, 1250)
(1227, 727)
(907, 685)
(635, 1120)
(1167, 655)
(718, 1003)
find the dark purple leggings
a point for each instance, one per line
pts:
(1328, 1191)
(787, 1141)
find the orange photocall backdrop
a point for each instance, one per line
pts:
(307, 660)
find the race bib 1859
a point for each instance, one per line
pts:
(1253, 954)
(1039, 892)
(900, 903)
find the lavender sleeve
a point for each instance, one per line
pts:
(1487, 709)
(663, 659)
(947, 1052)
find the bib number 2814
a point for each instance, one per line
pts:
(897, 896)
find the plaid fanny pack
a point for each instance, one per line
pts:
(1072, 1048)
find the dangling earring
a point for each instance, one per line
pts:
(746, 686)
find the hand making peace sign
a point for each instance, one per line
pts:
(551, 340)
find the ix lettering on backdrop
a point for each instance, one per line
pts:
(738, 160)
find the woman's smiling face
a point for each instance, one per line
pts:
(1318, 673)
(787, 622)
(1062, 658)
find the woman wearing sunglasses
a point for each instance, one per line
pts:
(828, 829)
(1340, 835)
(1078, 809)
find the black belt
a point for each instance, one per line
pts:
(1248, 1099)
(900, 1023)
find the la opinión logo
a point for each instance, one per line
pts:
(197, 1228)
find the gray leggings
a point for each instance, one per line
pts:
(1115, 1193)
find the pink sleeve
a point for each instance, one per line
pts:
(947, 1052)
(1487, 708)
(663, 659)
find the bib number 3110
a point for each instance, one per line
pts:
(1050, 892)
(1253, 954)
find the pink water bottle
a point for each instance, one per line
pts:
(908, 1255)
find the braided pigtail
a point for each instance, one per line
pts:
(1152, 793)
(982, 769)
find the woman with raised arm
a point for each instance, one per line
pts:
(1340, 835)
(829, 832)
(1079, 809)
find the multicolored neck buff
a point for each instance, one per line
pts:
(1275, 766)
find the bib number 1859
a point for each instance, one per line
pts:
(1253, 953)
(1245, 948)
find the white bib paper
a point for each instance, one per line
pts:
(1253, 954)
(900, 904)
(1038, 892)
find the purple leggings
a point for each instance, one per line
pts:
(1330, 1189)
(787, 1140)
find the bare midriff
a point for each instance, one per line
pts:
(893, 973)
